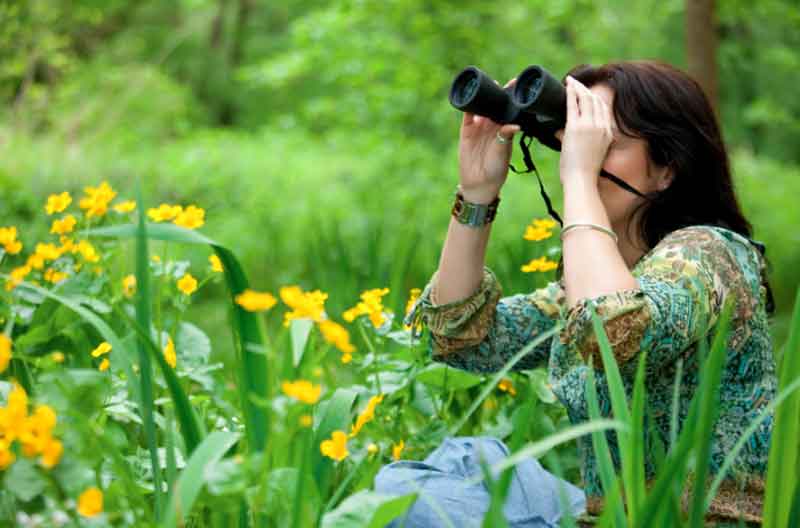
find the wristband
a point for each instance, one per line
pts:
(472, 214)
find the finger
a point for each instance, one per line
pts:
(508, 131)
(607, 119)
(559, 134)
(599, 112)
(572, 103)
(585, 103)
(510, 83)
(468, 119)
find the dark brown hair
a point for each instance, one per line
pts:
(665, 107)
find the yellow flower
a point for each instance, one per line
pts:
(90, 502)
(254, 301)
(63, 226)
(397, 449)
(306, 420)
(164, 212)
(309, 305)
(191, 218)
(507, 385)
(51, 454)
(336, 447)
(102, 348)
(169, 353)
(56, 203)
(367, 415)
(54, 276)
(129, 286)
(8, 239)
(57, 356)
(103, 366)
(17, 276)
(337, 335)
(371, 305)
(187, 284)
(14, 416)
(5, 352)
(125, 207)
(302, 390)
(6, 456)
(216, 264)
(346, 358)
(540, 264)
(38, 431)
(372, 448)
(87, 251)
(97, 199)
(536, 233)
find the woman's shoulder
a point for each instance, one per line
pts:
(724, 252)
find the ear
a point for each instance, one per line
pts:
(665, 178)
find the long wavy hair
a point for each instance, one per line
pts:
(664, 106)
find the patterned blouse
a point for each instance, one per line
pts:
(683, 283)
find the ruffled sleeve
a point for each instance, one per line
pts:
(482, 332)
(683, 285)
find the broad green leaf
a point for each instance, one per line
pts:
(300, 330)
(445, 377)
(335, 415)
(193, 477)
(24, 479)
(368, 509)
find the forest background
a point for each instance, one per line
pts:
(317, 134)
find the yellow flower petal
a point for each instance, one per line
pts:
(254, 301)
(90, 502)
(187, 284)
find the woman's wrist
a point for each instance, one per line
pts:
(479, 195)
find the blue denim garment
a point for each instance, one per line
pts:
(533, 499)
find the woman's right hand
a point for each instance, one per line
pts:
(482, 160)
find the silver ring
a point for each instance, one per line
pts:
(501, 139)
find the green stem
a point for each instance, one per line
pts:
(372, 351)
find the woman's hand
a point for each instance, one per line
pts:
(587, 136)
(482, 159)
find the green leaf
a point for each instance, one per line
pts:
(783, 455)
(445, 377)
(335, 415)
(300, 330)
(540, 385)
(193, 477)
(24, 480)
(368, 509)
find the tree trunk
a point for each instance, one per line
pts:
(701, 46)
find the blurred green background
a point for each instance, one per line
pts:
(318, 136)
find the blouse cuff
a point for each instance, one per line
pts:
(625, 316)
(467, 320)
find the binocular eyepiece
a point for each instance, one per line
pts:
(537, 102)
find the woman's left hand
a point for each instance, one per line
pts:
(586, 137)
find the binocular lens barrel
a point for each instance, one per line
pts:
(537, 91)
(474, 91)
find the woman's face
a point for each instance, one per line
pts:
(628, 160)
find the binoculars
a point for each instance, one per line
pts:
(537, 102)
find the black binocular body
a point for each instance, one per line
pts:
(537, 102)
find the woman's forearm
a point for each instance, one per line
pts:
(462, 259)
(593, 264)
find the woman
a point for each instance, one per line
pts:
(656, 265)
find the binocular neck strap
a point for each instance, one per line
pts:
(526, 157)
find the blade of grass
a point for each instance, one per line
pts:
(619, 406)
(253, 370)
(783, 456)
(711, 375)
(145, 369)
(638, 427)
(605, 465)
(192, 478)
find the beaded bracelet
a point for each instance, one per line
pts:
(589, 226)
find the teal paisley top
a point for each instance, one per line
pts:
(683, 282)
